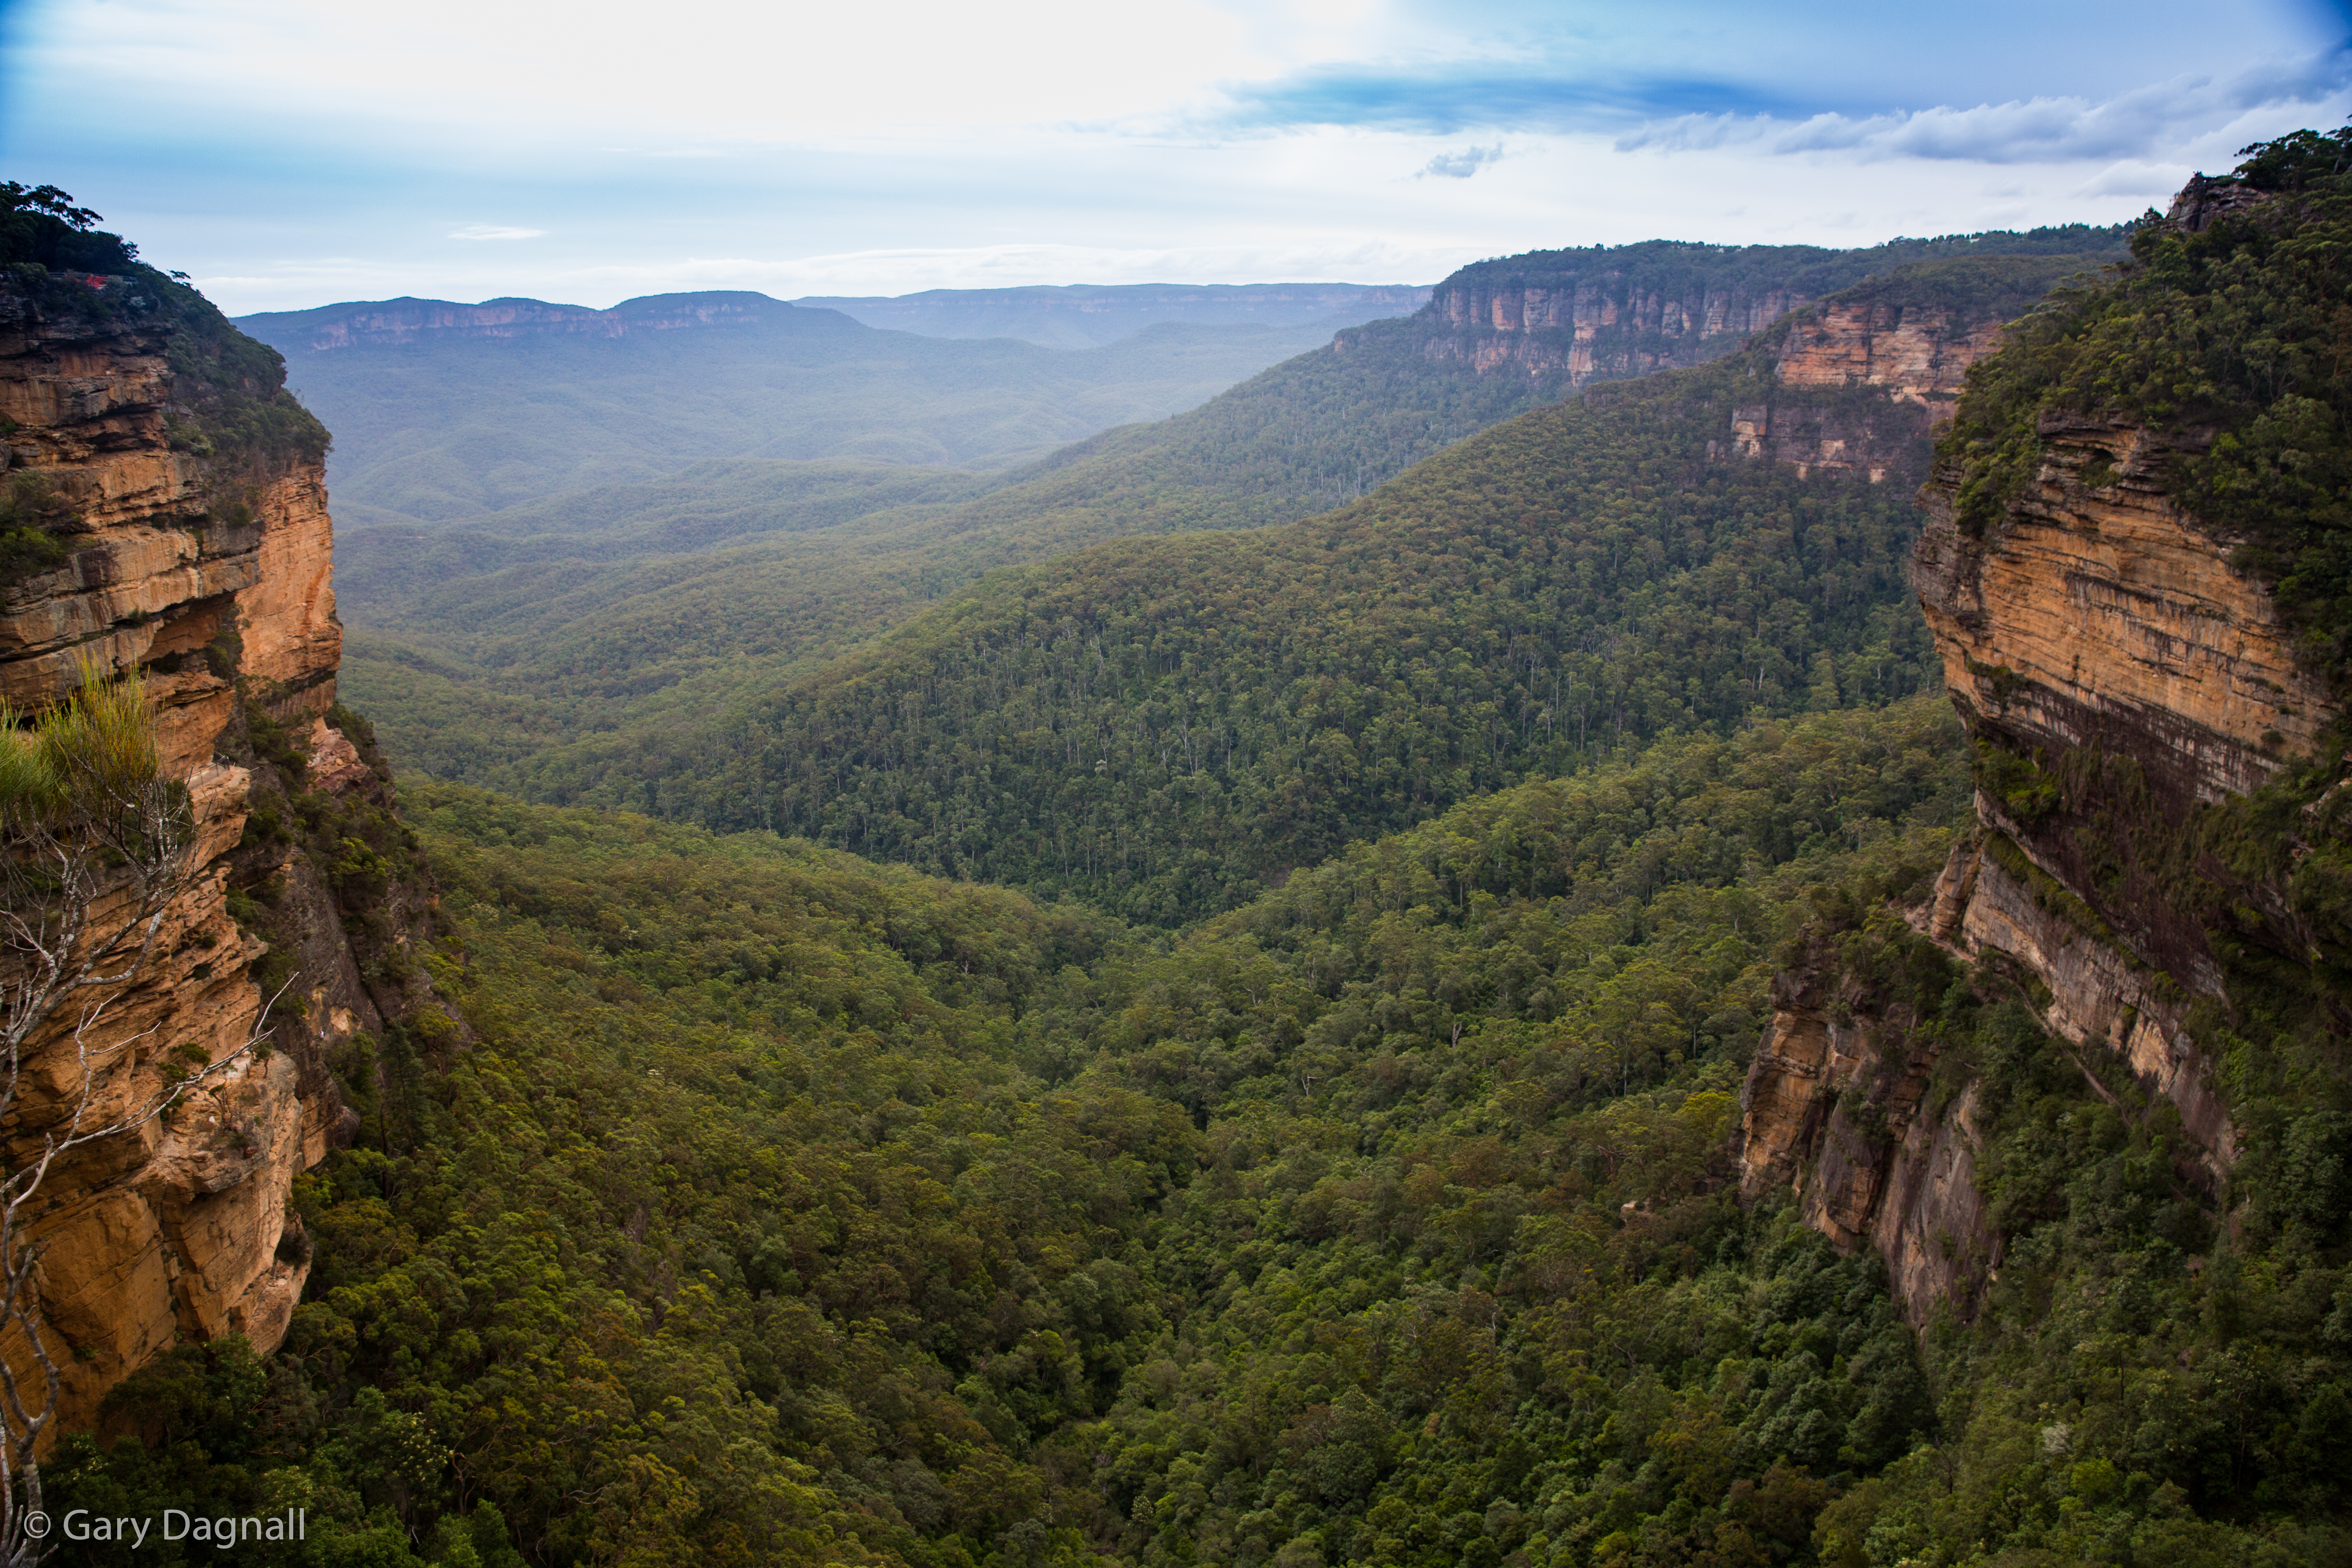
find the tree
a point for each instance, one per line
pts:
(95, 845)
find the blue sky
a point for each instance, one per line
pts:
(293, 152)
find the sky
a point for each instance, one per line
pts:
(289, 154)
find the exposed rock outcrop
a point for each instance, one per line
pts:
(1605, 325)
(2118, 676)
(1890, 317)
(1921, 354)
(1836, 1107)
(210, 569)
(2101, 615)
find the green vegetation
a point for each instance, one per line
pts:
(782, 1207)
(2236, 329)
(40, 227)
(35, 523)
(444, 429)
(791, 1208)
(2140, 1386)
(1161, 727)
(549, 661)
(230, 401)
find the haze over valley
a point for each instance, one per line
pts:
(1342, 786)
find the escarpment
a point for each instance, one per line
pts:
(1572, 316)
(2101, 615)
(2141, 875)
(170, 518)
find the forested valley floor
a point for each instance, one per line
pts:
(1334, 1165)
(786, 1207)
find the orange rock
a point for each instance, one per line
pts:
(172, 1231)
(2100, 604)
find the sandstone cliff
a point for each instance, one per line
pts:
(2122, 680)
(1891, 316)
(196, 548)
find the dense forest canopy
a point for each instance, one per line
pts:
(536, 649)
(780, 1205)
(1162, 726)
(787, 1207)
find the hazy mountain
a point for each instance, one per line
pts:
(444, 410)
(1081, 315)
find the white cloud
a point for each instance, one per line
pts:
(1461, 165)
(2144, 123)
(494, 231)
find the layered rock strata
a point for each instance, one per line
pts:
(1578, 328)
(2102, 616)
(2110, 662)
(1836, 1107)
(212, 574)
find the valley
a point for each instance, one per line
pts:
(1686, 908)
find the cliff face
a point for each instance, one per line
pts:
(210, 571)
(1921, 354)
(1610, 325)
(1837, 1108)
(2102, 616)
(1910, 356)
(1911, 314)
(2118, 676)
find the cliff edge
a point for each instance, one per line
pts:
(2129, 595)
(167, 513)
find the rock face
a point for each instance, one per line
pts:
(1920, 353)
(211, 573)
(1910, 316)
(1834, 1108)
(1899, 364)
(2102, 616)
(1605, 323)
(2120, 676)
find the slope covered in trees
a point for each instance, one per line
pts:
(536, 634)
(790, 1208)
(1162, 726)
(787, 1208)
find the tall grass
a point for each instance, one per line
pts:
(94, 752)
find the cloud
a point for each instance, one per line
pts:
(2141, 124)
(1462, 164)
(494, 231)
(1441, 101)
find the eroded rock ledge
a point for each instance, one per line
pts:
(211, 572)
(2097, 634)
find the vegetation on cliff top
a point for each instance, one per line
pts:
(2234, 334)
(229, 400)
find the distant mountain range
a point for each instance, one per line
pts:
(1083, 315)
(445, 410)
(1079, 316)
